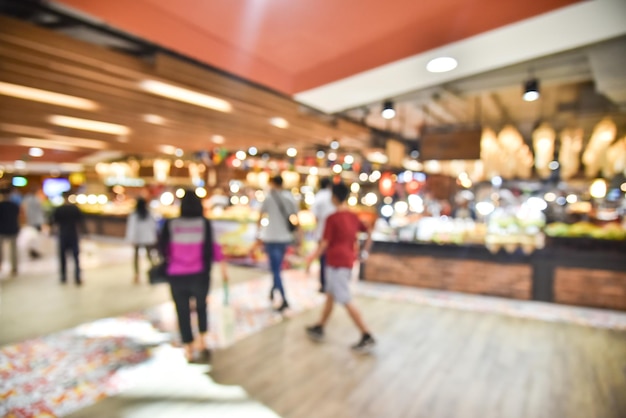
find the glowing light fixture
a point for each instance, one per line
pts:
(441, 64)
(292, 152)
(89, 125)
(201, 192)
(279, 122)
(35, 152)
(167, 199)
(598, 189)
(44, 96)
(63, 143)
(217, 139)
(153, 119)
(185, 95)
(531, 90)
(484, 208)
(388, 111)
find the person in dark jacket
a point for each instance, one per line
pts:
(186, 244)
(69, 221)
(9, 227)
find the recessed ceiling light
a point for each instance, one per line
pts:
(45, 143)
(154, 119)
(217, 139)
(89, 125)
(80, 142)
(441, 64)
(167, 149)
(35, 152)
(45, 96)
(279, 122)
(185, 95)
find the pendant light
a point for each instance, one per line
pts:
(388, 111)
(531, 90)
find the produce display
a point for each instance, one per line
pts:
(609, 231)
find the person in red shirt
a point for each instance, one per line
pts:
(339, 244)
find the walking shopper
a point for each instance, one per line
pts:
(141, 232)
(339, 243)
(276, 236)
(9, 228)
(322, 207)
(186, 244)
(70, 222)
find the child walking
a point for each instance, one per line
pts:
(339, 245)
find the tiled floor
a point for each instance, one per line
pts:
(51, 364)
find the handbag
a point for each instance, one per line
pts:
(157, 273)
(291, 225)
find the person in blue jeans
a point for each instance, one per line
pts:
(274, 232)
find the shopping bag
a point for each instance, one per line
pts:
(28, 239)
(157, 274)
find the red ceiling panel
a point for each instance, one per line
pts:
(293, 46)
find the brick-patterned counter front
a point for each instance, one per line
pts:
(594, 275)
(469, 276)
(588, 287)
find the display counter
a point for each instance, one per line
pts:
(106, 225)
(583, 272)
(236, 235)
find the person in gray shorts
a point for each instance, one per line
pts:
(338, 243)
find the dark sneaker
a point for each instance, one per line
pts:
(316, 332)
(282, 307)
(203, 357)
(365, 345)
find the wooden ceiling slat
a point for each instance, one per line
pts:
(126, 110)
(34, 57)
(57, 44)
(188, 137)
(308, 127)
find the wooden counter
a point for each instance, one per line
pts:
(591, 275)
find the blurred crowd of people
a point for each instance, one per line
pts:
(184, 249)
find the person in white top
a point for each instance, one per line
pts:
(278, 205)
(141, 231)
(322, 208)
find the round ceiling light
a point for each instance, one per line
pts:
(441, 65)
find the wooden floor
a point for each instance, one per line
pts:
(430, 362)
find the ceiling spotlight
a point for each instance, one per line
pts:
(531, 90)
(441, 65)
(388, 111)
